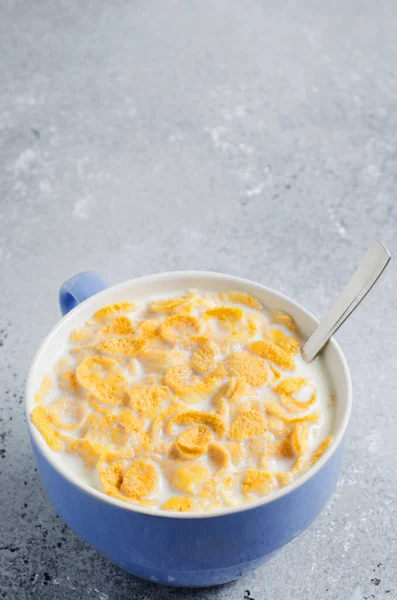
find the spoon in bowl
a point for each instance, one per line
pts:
(374, 263)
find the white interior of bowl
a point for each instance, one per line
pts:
(169, 283)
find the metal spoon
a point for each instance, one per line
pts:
(362, 281)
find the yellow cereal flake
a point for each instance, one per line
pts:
(277, 426)
(277, 411)
(204, 358)
(122, 326)
(67, 412)
(178, 503)
(67, 381)
(323, 447)
(218, 454)
(100, 431)
(241, 298)
(285, 478)
(178, 378)
(50, 434)
(253, 369)
(247, 425)
(148, 400)
(193, 342)
(130, 422)
(237, 452)
(109, 311)
(274, 353)
(149, 329)
(280, 317)
(193, 442)
(199, 417)
(179, 326)
(258, 482)
(85, 450)
(96, 405)
(283, 449)
(299, 439)
(170, 304)
(291, 385)
(290, 344)
(44, 390)
(112, 477)
(128, 346)
(188, 478)
(225, 314)
(139, 480)
(275, 372)
(101, 377)
(81, 335)
(160, 360)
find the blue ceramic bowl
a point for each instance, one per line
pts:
(184, 549)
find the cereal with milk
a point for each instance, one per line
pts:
(191, 403)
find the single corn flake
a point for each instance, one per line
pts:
(241, 298)
(253, 369)
(280, 317)
(67, 412)
(112, 477)
(148, 400)
(277, 426)
(85, 450)
(194, 416)
(179, 326)
(299, 439)
(188, 478)
(170, 304)
(290, 344)
(178, 503)
(67, 381)
(225, 314)
(50, 434)
(258, 482)
(247, 425)
(130, 422)
(128, 346)
(160, 360)
(139, 480)
(108, 311)
(122, 326)
(218, 454)
(274, 353)
(81, 335)
(277, 411)
(323, 447)
(204, 358)
(193, 442)
(178, 378)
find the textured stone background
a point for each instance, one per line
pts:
(257, 138)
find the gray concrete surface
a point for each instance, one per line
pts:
(257, 138)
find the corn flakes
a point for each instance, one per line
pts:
(193, 442)
(254, 370)
(125, 385)
(109, 311)
(178, 503)
(50, 434)
(247, 425)
(241, 298)
(148, 400)
(258, 482)
(274, 353)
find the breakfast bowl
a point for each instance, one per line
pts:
(186, 549)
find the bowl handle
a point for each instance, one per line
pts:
(78, 288)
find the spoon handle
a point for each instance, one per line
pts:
(362, 281)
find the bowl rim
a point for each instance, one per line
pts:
(37, 439)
